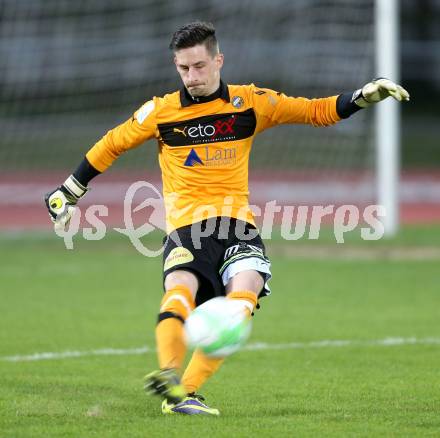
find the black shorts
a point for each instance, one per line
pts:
(215, 250)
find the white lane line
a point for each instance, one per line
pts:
(256, 346)
(343, 343)
(69, 354)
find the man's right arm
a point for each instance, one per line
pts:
(130, 134)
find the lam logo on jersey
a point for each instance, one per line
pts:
(215, 128)
(192, 159)
(212, 156)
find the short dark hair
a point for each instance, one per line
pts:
(192, 34)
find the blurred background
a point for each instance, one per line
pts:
(70, 71)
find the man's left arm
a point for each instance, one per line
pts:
(371, 93)
(276, 108)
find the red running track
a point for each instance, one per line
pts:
(22, 208)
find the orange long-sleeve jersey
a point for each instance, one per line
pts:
(204, 147)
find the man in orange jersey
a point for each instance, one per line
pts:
(205, 132)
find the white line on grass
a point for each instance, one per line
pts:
(69, 354)
(256, 346)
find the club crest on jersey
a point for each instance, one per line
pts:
(237, 102)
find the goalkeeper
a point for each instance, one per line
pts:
(204, 134)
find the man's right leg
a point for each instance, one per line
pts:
(178, 301)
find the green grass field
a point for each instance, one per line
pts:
(106, 295)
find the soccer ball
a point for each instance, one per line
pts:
(219, 327)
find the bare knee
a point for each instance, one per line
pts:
(182, 277)
(246, 280)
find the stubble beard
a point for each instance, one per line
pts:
(198, 91)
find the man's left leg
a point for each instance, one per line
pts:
(181, 288)
(244, 287)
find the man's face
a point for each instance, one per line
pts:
(199, 70)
